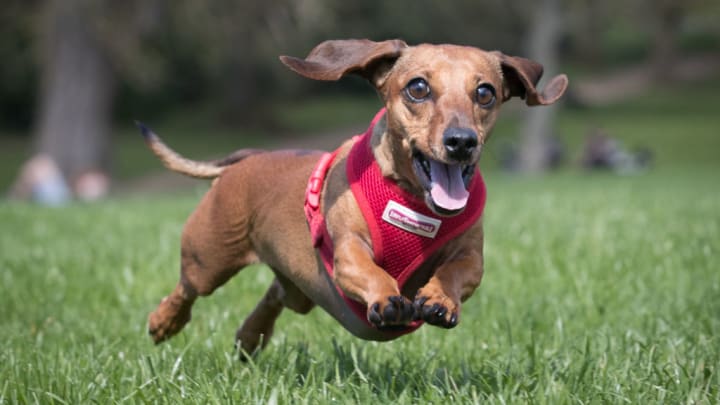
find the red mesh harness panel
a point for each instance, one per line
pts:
(404, 231)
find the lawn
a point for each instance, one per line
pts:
(598, 289)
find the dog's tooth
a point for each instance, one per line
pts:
(426, 166)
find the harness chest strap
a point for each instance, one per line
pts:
(404, 232)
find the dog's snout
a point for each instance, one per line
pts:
(460, 143)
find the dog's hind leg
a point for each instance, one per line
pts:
(256, 330)
(213, 250)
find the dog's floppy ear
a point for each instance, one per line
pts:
(521, 77)
(331, 60)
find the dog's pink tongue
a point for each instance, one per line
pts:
(447, 188)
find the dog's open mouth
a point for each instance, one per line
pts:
(446, 185)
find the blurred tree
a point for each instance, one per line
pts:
(235, 46)
(18, 69)
(538, 146)
(492, 24)
(587, 22)
(84, 44)
(78, 81)
(667, 18)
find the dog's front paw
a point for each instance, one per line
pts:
(438, 311)
(394, 311)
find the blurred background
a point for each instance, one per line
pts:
(75, 74)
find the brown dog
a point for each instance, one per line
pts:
(441, 103)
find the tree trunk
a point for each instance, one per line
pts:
(591, 17)
(668, 16)
(76, 97)
(536, 139)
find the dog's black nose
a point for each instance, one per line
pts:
(460, 143)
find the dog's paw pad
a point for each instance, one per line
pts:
(374, 314)
(397, 310)
(435, 313)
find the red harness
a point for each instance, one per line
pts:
(404, 231)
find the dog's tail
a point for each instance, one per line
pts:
(177, 163)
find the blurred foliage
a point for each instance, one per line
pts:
(222, 54)
(18, 71)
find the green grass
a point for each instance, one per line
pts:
(597, 289)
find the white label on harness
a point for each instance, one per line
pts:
(411, 221)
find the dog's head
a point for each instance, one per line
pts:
(442, 102)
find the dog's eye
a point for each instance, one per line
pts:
(418, 90)
(485, 95)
